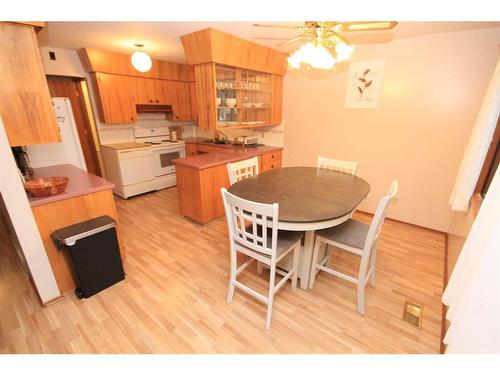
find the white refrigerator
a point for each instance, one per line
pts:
(68, 151)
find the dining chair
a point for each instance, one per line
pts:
(350, 167)
(242, 169)
(358, 238)
(253, 231)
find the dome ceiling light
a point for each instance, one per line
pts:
(141, 60)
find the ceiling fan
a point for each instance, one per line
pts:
(323, 37)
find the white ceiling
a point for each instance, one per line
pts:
(161, 39)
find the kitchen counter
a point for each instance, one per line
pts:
(213, 159)
(87, 196)
(126, 145)
(201, 176)
(80, 183)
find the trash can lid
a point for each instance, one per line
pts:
(70, 234)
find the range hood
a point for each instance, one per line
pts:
(154, 108)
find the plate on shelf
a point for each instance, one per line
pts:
(227, 123)
(253, 122)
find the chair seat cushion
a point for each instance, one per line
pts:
(351, 233)
(286, 239)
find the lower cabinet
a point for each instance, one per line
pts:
(270, 160)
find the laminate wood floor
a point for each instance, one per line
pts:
(173, 298)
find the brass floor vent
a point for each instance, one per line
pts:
(412, 314)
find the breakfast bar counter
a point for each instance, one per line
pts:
(80, 183)
(201, 175)
(226, 154)
(87, 196)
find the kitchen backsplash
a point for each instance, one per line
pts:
(272, 136)
(125, 133)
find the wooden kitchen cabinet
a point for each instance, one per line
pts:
(181, 106)
(115, 99)
(148, 91)
(270, 160)
(257, 97)
(25, 104)
(191, 149)
(119, 87)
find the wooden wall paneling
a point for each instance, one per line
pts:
(211, 45)
(193, 102)
(25, 104)
(198, 47)
(94, 60)
(188, 182)
(212, 179)
(277, 99)
(115, 98)
(199, 192)
(55, 215)
(205, 95)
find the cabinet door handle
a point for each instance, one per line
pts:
(157, 101)
(150, 100)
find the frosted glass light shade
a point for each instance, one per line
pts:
(316, 56)
(343, 51)
(141, 61)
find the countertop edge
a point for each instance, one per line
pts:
(230, 158)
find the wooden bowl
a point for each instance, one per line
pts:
(42, 187)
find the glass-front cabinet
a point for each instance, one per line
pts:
(244, 98)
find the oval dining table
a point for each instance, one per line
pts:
(309, 199)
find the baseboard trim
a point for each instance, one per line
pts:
(404, 222)
(52, 301)
(444, 308)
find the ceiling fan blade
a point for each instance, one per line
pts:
(296, 27)
(296, 39)
(265, 38)
(336, 37)
(368, 25)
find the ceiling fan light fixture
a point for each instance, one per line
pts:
(141, 60)
(343, 51)
(317, 56)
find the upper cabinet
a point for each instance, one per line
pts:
(25, 104)
(238, 83)
(120, 88)
(116, 104)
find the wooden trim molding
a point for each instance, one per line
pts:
(488, 160)
(214, 46)
(94, 60)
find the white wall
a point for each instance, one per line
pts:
(24, 223)
(431, 93)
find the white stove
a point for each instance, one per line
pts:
(164, 151)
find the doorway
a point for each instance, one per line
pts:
(70, 87)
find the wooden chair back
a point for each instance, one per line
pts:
(350, 167)
(249, 223)
(242, 169)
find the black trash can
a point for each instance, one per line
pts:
(93, 254)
